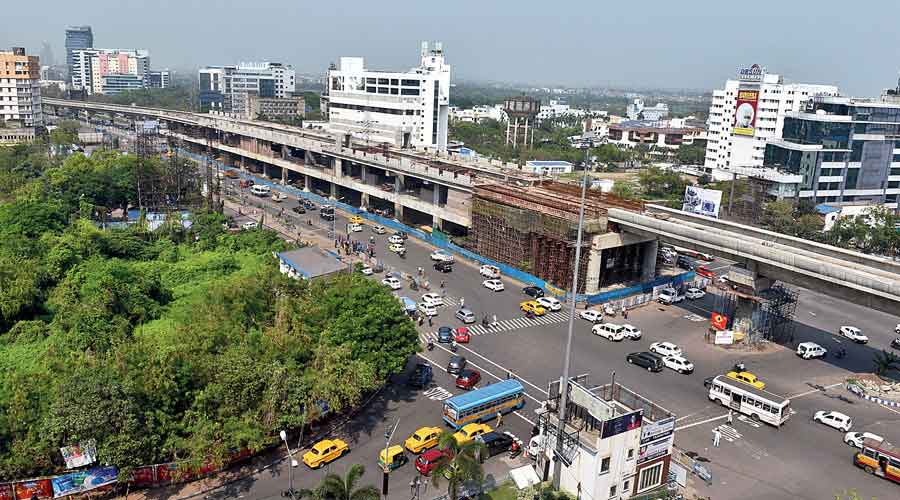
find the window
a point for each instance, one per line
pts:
(604, 465)
(383, 81)
(612, 491)
(625, 486)
(410, 83)
(630, 453)
(395, 81)
(409, 91)
(650, 477)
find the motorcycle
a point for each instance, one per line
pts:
(514, 449)
(740, 367)
(430, 345)
(840, 353)
(529, 315)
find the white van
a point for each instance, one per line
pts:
(490, 272)
(260, 190)
(610, 331)
(809, 350)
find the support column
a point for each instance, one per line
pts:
(398, 184)
(436, 198)
(243, 163)
(365, 201)
(594, 263)
(306, 183)
(334, 190)
(516, 133)
(437, 222)
(364, 173)
(398, 189)
(337, 171)
(284, 175)
(648, 264)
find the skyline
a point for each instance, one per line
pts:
(664, 47)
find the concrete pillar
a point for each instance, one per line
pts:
(307, 157)
(243, 163)
(338, 167)
(284, 175)
(365, 201)
(436, 198)
(437, 222)
(648, 261)
(398, 184)
(334, 190)
(595, 260)
(398, 211)
(364, 172)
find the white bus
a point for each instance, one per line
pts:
(744, 398)
(260, 190)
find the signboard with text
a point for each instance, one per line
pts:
(657, 430)
(754, 73)
(702, 201)
(624, 423)
(745, 112)
(724, 337)
(655, 449)
(86, 480)
(79, 455)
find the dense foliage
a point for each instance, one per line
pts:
(178, 344)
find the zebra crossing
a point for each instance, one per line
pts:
(508, 325)
(438, 394)
(729, 433)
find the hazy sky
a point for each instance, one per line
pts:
(655, 43)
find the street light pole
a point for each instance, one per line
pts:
(291, 465)
(564, 381)
(385, 467)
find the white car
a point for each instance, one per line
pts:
(441, 256)
(495, 285)
(397, 240)
(250, 224)
(834, 419)
(854, 334)
(278, 197)
(392, 282)
(694, 293)
(491, 272)
(897, 329)
(366, 270)
(550, 303)
(427, 310)
(378, 229)
(591, 315)
(856, 439)
(670, 296)
(810, 350)
(433, 299)
(679, 364)
(631, 332)
(397, 247)
(354, 228)
(610, 331)
(665, 349)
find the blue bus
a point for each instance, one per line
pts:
(483, 404)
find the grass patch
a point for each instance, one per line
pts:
(506, 491)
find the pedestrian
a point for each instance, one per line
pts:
(499, 419)
(421, 321)
(429, 321)
(462, 302)
(730, 417)
(494, 323)
(444, 292)
(717, 436)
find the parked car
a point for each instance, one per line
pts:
(854, 334)
(250, 224)
(591, 315)
(468, 378)
(392, 282)
(648, 360)
(747, 378)
(679, 363)
(427, 309)
(694, 293)
(809, 350)
(834, 419)
(685, 263)
(465, 315)
(445, 335)
(441, 256)
(670, 296)
(631, 332)
(490, 272)
(665, 349)
(456, 364)
(533, 291)
(496, 442)
(551, 303)
(231, 174)
(856, 439)
(495, 285)
(443, 266)
(609, 331)
(367, 271)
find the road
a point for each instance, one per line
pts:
(800, 460)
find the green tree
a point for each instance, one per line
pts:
(460, 467)
(623, 190)
(693, 154)
(66, 132)
(809, 226)
(779, 216)
(335, 487)
(659, 183)
(885, 361)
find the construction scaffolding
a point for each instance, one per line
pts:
(534, 228)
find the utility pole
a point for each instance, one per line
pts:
(386, 468)
(291, 465)
(564, 381)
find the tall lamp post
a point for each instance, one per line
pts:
(386, 468)
(290, 491)
(564, 381)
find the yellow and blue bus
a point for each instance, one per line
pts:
(482, 405)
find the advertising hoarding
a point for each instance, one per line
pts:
(718, 321)
(79, 455)
(86, 480)
(702, 201)
(657, 430)
(624, 423)
(655, 449)
(40, 488)
(6, 491)
(745, 112)
(724, 337)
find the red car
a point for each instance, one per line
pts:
(427, 461)
(468, 378)
(461, 335)
(705, 272)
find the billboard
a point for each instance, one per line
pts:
(40, 488)
(745, 112)
(625, 423)
(79, 482)
(655, 449)
(79, 455)
(702, 201)
(657, 430)
(718, 321)
(6, 491)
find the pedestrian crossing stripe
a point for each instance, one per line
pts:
(729, 433)
(438, 394)
(511, 324)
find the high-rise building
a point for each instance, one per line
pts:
(750, 111)
(110, 71)
(840, 150)
(226, 88)
(20, 88)
(77, 38)
(404, 109)
(160, 79)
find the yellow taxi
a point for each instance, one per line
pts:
(470, 432)
(747, 378)
(356, 220)
(532, 306)
(325, 451)
(422, 439)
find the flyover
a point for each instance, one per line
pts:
(860, 278)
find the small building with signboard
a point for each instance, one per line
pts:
(615, 443)
(310, 263)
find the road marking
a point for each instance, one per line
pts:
(813, 391)
(518, 414)
(729, 433)
(749, 421)
(509, 325)
(695, 424)
(438, 394)
(483, 371)
(542, 391)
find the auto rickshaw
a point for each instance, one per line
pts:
(396, 457)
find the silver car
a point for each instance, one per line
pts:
(465, 315)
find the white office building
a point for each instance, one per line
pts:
(110, 71)
(226, 88)
(760, 101)
(405, 109)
